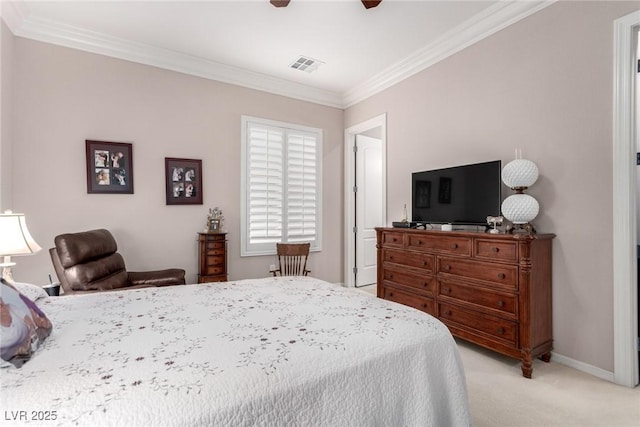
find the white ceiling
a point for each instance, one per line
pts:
(252, 43)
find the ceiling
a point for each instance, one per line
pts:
(252, 43)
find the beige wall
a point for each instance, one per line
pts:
(6, 122)
(543, 85)
(63, 96)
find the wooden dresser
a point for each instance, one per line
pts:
(212, 248)
(490, 289)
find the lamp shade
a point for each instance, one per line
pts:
(520, 173)
(14, 236)
(520, 208)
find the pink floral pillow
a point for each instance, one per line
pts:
(23, 326)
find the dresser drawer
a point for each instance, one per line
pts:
(412, 259)
(442, 244)
(505, 251)
(214, 245)
(416, 301)
(494, 326)
(502, 302)
(503, 275)
(417, 281)
(392, 239)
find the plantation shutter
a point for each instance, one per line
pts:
(265, 184)
(281, 186)
(301, 187)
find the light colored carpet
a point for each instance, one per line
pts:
(557, 395)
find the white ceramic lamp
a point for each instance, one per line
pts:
(520, 208)
(15, 239)
(520, 174)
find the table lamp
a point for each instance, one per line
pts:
(520, 208)
(14, 240)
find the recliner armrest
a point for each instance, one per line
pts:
(171, 276)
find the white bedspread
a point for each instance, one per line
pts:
(267, 352)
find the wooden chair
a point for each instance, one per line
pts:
(292, 259)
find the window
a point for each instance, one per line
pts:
(281, 185)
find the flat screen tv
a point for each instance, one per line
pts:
(464, 194)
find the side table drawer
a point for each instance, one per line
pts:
(213, 269)
(208, 279)
(215, 251)
(215, 260)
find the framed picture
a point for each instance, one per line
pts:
(109, 167)
(214, 226)
(183, 181)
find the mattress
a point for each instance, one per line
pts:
(285, 351)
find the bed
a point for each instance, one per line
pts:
(283, 351)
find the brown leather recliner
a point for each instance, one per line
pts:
(89, 261)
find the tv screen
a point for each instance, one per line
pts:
(458, 195)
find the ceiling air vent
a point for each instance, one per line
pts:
(307, 64)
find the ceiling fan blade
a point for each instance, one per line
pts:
(371, 3)
(368, 4)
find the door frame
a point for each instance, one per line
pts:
(625, 333)
(349, 182)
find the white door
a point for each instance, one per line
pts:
(369, 206)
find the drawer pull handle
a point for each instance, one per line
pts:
(390, 257)
(425, 284)
(391, 276)
(424, 263)
(447, 268)
(454, 246)
(500, 303)
(395, 240)
(390, 294)
(496, 250)
(424, 305)
(448, 312)
(501, 275)
(501, 331)
(447, 290)
(419, 242)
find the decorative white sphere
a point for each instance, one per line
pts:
(520, 173)
(520, 208)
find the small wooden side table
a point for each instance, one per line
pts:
(213, 257)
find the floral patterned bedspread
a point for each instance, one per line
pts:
(269, 352)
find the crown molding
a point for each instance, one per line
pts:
(480, 26)
(13, 14)
(22, 24)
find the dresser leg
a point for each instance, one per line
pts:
(546, 357)
(527, 365)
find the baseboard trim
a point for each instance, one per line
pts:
(584, 367)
